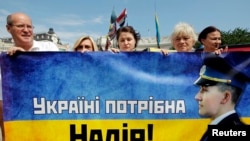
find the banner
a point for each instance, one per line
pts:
(102, 96)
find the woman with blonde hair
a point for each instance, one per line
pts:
(85, 44)
(183, 37)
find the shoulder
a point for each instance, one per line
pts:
(45, 46)
(232, 119)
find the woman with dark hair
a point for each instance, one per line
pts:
(127, 39)
(210, 38)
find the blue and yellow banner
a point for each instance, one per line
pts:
(101, 96)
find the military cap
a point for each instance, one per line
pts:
(224, 69)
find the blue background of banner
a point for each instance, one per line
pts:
(122, 76)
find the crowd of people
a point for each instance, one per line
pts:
(183, 39)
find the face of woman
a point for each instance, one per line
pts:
(85, 45)
(183, 43)
(212, 42)
(126, 42)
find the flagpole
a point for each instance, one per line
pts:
(158, 38)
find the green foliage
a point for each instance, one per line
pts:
(197, 45)
(235, 37)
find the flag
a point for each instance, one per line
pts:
(122, 17)
(112, 25)
(158, 38)
(113, 16)
(112, 31)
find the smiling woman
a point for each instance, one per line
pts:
(210, 38)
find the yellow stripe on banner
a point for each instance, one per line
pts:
(59, 130)
(246, 120)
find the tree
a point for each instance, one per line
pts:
(236, 36)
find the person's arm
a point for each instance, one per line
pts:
(1, 118)
(1, 109)
(221, 50)
(114, 50)
(12, 50)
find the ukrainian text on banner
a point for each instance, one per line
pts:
(101, 96)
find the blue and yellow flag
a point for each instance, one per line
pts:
(158, 38)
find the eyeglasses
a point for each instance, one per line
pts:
(22, 26)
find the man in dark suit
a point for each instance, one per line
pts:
(221, 86)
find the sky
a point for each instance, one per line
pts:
(71, 19)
